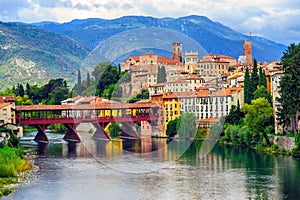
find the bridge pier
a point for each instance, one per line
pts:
(41, 136)
(71, 135)
(128, 131)
(100, 133)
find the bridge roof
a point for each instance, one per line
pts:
(100, 106)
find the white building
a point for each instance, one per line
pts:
(206, 104)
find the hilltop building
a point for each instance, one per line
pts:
(215, 64)
(191, 59)
(247, 47)
(177, 51)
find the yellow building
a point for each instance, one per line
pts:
(7, 115)
(171, 108)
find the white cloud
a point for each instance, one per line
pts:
(277, 20)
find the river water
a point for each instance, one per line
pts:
(155, 169)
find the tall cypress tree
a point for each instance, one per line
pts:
(289, 88)
(163, 74)
(262, 78)
(88, 80)
(19, 91)
(28, 90)
(79, 87)
(158, 74)
(253, 80)
(247, 87)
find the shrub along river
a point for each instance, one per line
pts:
(155, 169)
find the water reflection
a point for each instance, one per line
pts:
(224, 173)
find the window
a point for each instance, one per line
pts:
(4, 111)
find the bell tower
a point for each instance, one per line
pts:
(177, 51)
(248, 50)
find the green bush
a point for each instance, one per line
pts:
(58, 128)
(12, 161)
(201, 133)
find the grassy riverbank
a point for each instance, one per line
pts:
(12, 162)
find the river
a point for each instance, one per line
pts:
(155, 169)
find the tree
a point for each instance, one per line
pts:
(55, 91)
(109, 76)
(19, 91)
(247, 97)
(172, 127)
(114, 129)
(28, 90)
(258, 116)
(107, 93)
(161, 76)
(289, 88)
(253, 80)
(25, 100)
(186, 125)
(57, 95)
(262, 92)
(235, 115)
(99, 70)
(88, 80)
(36, 94)
(262, 78)
(79, 85)
(158, 74)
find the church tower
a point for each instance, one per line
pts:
(248, 50)
(177, 51)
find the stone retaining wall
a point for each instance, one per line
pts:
(284, 142)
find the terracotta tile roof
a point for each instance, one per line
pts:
(144, 101)
(227, 91)
(4, 99)
(166, 60)
(3, 105)
(157, 85)
(73, 99)
(202, 93)
(193, 94)
(235, 76)
(87, 100)
(209, 120)
(86, 107)
(136, 58)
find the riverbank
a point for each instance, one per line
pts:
(14, 168)
(274, 149)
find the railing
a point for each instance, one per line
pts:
(86, 119)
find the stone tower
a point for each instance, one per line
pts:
(177, 51)
(248, 50)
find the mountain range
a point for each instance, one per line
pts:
(59, 48)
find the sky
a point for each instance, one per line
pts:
(278, 20)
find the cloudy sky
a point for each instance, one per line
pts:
(278, 20)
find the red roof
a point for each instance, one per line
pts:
(5, 99)
(136, 58)
(166, 60)
(209, 120)
(3, 105)
(100, 106)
